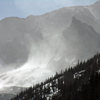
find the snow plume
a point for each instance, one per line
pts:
(44, 60)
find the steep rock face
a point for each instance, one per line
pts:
(17, 35)
(47, 43)
(82, 39)
(95, 10)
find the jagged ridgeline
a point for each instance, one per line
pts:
(81, 82)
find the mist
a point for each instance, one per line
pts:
(34, 48)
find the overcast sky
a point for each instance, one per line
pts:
(23, 8)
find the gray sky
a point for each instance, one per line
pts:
(23, 8)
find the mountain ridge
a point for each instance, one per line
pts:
(42, 42)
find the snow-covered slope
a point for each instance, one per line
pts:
(34, 48)
(25, 76)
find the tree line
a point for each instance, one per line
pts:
(81, 82)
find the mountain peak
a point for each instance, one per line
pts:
(97, 2)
